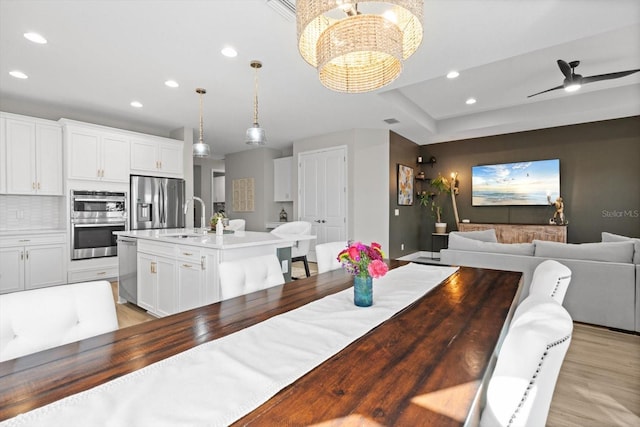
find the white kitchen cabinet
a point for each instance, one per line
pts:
(218, 189)
(30, 262)
(32, 156)
(156, 284)
(97, 155)
(3, 152)
(190, 265)
(157, 156)
(282, 179)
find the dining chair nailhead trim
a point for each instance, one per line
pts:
(533, 378)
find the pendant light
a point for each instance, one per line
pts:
(255, 134)
(200, 149)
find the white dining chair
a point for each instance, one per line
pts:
(526, 372)
(551, 278)
(248, 275)
(327, 256)
(301, 248)
(236, 224)
(38, 319)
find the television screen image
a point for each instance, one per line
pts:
(516, 184)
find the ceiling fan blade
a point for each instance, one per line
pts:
(608, 76)
(565, 68)
(545, 91)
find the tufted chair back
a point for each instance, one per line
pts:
(551, 278)
(327, 256)
(522, 384)
(249, 275)
(237, 224)
(35, 320)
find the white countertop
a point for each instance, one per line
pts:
(238, 239)
(31, 232)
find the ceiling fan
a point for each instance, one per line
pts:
(573, 81)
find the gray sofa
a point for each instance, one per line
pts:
(605, 283)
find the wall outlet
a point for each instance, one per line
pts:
(285, 266)
(402, 246)
(397, 212)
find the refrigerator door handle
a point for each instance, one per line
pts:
(163, 218)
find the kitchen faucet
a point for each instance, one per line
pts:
(202, 217)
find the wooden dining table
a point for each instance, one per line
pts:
(428, 365)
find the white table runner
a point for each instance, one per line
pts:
(218, 382)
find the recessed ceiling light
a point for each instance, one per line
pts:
(452, 74)
(229, 52)
(18, 74)
(35, 38)
(171, 83)
(470, 101)
(136, 104)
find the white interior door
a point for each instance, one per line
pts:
(322, 194)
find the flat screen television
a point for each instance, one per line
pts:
(515, 184)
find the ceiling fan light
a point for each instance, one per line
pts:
(573, 87)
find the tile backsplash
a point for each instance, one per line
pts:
(32, 212)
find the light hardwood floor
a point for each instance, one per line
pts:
(598, 386)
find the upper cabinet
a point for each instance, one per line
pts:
(157, 156)
(32, 156)
(282, 179)
(97, 155)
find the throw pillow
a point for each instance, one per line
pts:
(610, 237)
(482, 235)
(607, 252)
(457, 241)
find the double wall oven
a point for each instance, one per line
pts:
(95, 215)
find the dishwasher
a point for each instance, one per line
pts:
(127, 270)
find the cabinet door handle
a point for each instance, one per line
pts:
(160, 162)
(21, 255)
(153, 267)
(27, 254)
(187, 253)
(202, 266)
(186, 265)
(38, 185)
(24, 240)
(102, 273)
(33, 185)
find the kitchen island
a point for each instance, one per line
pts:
(177, 269)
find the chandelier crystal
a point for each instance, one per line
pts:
(200, 149)
(255, 134)
(358, 46)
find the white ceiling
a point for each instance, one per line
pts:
(102, 55)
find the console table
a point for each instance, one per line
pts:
(521, 233)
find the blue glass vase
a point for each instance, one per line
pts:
(363, 291)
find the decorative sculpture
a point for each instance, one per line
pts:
(558, 215)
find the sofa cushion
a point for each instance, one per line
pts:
(482, 235)
(457, 241)
(610, 237)
(608, 252)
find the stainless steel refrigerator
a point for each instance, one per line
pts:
(156, 202)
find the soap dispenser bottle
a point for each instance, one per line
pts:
(219, 227)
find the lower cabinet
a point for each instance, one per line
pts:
(28, 262)
(173, 278)
(156, 284)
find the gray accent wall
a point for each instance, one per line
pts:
(599, 182)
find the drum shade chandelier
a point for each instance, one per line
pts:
(255, 134)
(358, 46)
(200, 149)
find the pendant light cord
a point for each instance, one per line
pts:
(255, 98)
(201, 141)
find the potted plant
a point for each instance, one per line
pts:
(440, 185)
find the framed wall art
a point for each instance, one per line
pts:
(405, 185)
